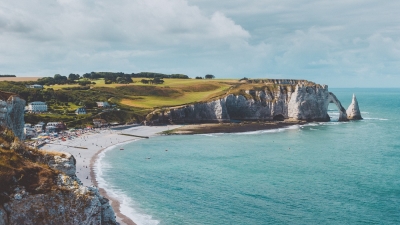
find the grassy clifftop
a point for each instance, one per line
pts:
(135, 100)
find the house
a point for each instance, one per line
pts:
(51, 129)
(39, 127)
(29, 132)
(99, 123)
(57, 126)
(103, 104)
(37, 107)
(80, 111)
(38, 86)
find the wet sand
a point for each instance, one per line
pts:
(231, 127)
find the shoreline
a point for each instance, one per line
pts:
(212, 128)
(87, 148)
(115, 204)
(104, 140)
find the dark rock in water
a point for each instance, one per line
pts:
(353, 112)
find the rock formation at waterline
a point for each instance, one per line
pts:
(353, 111)
(277, 100)
(68, 202)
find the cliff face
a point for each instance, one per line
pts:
(282, 100)
(12, 114)
(69, 202)
(353, 111)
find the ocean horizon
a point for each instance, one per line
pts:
(318, 173)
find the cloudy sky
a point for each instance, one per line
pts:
(342, 43)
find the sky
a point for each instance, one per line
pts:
(341, 43)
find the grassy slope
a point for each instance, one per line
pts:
(171, 93)
(137, 99)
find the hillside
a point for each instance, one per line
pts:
(134, 101)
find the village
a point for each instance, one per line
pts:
(39, 134)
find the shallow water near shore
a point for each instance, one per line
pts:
(319, 173)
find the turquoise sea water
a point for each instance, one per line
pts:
(321, 173)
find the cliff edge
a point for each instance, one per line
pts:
(42, 188)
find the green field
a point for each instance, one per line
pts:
(172, 92)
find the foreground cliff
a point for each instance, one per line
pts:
(42, 188)
(39, 187)
(262, 100)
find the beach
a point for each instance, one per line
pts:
(87, 147)
(248, 126)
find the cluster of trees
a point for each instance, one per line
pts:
(117, 78)
(57, 79)
(156, 80)
(111, 77)
(97, 75)
(6, 75)
(208, 76)
(159, 75)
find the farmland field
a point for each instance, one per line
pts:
(172, 92)
(19, 78)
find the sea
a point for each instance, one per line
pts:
(318, 173)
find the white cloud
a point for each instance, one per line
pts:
(305, 39)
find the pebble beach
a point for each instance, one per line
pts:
(86, 147)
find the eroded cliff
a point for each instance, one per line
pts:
(265, 100)
(41, 188)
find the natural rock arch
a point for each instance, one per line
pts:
(342, 111)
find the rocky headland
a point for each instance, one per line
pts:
(41, 188)
(260, 100)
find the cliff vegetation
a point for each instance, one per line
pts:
(42, 188)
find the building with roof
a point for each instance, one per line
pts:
(38, 86)
(80, 111)
(103, 104)
(99, 123)
(37, 106)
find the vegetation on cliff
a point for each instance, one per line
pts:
(20, 166)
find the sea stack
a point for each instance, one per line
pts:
(353, 112)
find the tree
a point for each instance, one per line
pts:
(158, 80)
(209, 76)
(84, 82)
(73, 76)
(199, 78)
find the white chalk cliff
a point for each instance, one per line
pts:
(353, 111)
(282, 100)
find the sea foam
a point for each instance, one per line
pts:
(127, 205)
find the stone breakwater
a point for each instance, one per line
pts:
(303, 101)
(69, 203)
